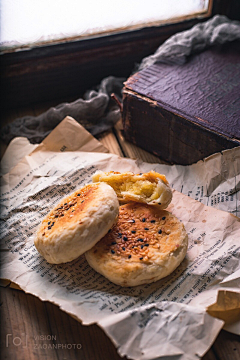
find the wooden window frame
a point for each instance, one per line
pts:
(64, 70)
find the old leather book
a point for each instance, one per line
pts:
(183, 113)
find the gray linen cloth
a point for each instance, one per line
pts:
(96, 111)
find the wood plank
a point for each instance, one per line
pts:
(227, 346)
(109, 140)
(33, 329)
(23, 317)
(70, 331)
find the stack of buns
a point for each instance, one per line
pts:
(120, 224)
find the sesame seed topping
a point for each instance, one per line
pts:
(140, 239)
(65, 203)
(164, 217)
(129, 256)
(159, 203)
(49, 222)
(146, 244)
(113, 243)
(146, 228)
(133, 231)
(112, 251)
(141, 258)
(125, 238)
(78, 194)
(82, 201)
(153, 221)
(133, 221)
(160, 231)
(119, 234)
(49, 227)
(142, 246)
(143, 220)
(123, 248)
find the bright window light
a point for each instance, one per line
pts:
(31, 21)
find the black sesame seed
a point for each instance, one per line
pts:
(142, 246)
(133, 231)
(112, 251)
(143, 220)
(146, 228)
(133, 221)
(164, 217)
(78, 194)
(119, 234)
(159, 204)
(129, 256)
(65, 203)
(49, 227)
(123, 248)
(140, 258)
(140, 239)
(49, 222)
(82, 201)
(160, 231)
(146, 244)
(114, 243)
(109, 230)
(125, 238)
(52, 223)
(153, 221)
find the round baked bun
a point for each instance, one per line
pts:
(145, 245)
(150, 188)
(77, 223)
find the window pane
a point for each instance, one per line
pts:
(28, 21)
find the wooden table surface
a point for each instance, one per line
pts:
(32, 329)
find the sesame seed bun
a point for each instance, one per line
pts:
(145, 245)
(77, 223)
(150, 188)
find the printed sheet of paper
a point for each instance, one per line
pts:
(170, 317)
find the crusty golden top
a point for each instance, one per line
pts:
(77, 223)
(71, 209)
(143, 232)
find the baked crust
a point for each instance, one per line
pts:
(77, 223)
(150, 188)
(145, 245)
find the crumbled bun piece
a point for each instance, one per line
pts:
(77, 223)
(149, 188)
(145, 245)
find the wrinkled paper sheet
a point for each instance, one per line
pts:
(171, 318)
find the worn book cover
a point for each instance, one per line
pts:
(183, 113)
